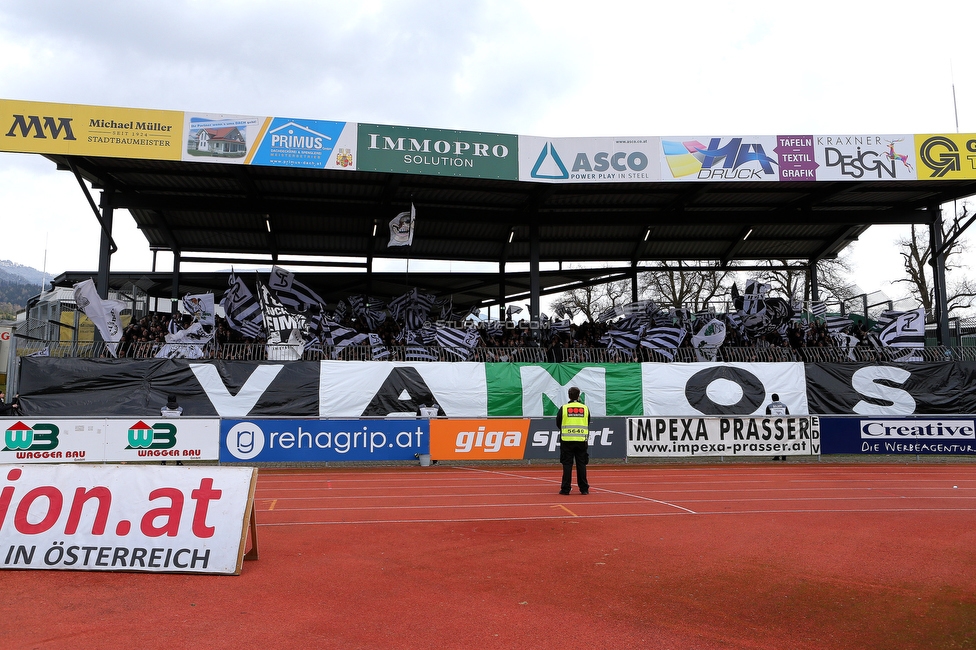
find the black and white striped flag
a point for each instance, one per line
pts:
(906, 331)
(664, 340)
(291, 292)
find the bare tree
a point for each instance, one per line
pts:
(593, 299)
(833, 280)
(673, 285)
(916, 253)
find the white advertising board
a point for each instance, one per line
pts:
(125, 517)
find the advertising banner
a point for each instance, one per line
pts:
(903, 389)
(438, 152)
(30, 440)
(322, 440)
(589, 160)
(680, 437)
(607, 438)
(953, 436)
(314, 144)
(862, 157)
(222, 138)
(711, 158)
(485, 439)
(722, 388)
(125, 518)
(947, 156)
(78, 130)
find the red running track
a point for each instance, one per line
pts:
(817, 556)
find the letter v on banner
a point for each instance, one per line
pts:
(240, 405)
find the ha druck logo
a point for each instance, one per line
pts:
(245, 440)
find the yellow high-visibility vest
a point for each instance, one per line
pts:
(575, 422)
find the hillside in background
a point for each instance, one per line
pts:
(18, 284)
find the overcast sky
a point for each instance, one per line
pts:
(536, 67)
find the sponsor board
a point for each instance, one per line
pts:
(322, 440)
(919, 435)
(946, 156)
(484, 439)
(589, 160)
(722, 388)
(711, 158)
(124, 518)
(607, 438)
(864, 157)
(318, 144)
(756, 436)
(79, 130)
(222, 138)
(440, 152)
(29, 440)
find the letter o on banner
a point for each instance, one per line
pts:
(753, 391)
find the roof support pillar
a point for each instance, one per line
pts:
(105, 244)
(941, 299)
(814, 282)
(501, 290)
(534, 283)
(633, 281)
(175, 301)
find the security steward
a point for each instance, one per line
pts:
(573, 420)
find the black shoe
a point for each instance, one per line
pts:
(584, 491)
(564, 492)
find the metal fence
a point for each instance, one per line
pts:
(263, 352)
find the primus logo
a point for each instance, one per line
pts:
(32, 124)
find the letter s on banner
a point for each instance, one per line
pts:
(864, 381)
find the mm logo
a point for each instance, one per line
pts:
(157, 436)
(41, 127)
(40, 437)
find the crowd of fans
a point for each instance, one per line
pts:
(507, 341)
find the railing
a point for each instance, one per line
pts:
(262, 352)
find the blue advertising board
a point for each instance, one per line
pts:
(608, 438)
(257, 440)
(903, 435)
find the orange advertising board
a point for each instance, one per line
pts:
(487, 439)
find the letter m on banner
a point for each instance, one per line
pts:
(543, 394)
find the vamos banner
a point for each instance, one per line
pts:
(322, 440)
(117, 440)
(125, 518)
(911, 435)
(721, 388)
(680, 437)
(903, 389)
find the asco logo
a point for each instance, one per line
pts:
(157, 436)
(38, 441)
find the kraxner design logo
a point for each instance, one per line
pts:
(245, 440)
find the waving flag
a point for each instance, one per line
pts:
(907, 330)
(242, 309)
(402, 227)
(105, 314)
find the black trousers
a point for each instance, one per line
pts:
(571, 452)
